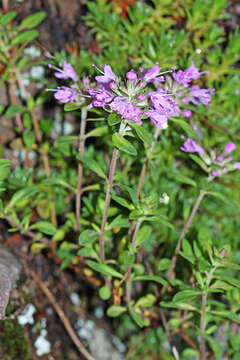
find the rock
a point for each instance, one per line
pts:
(10, 269)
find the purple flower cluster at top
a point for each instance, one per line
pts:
(216, 165)
(134, 98)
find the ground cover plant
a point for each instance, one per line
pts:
(128, 172)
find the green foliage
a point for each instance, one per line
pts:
(174, 34)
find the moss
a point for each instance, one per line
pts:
(13, 344)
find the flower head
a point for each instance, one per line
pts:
(108, 77)
(200, 95)
(66, 73)
(64, 94)
(101, 97)
(186, 113)
(185, 77)
(126, 109)
(157, 118)
(131, 75)
(192, 146)
(163, 102)
(229, 147)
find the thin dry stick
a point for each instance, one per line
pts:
(80, 167)
(182, 235)
(107, 202)
(62, 316)
(143, 172)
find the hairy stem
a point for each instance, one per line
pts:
(129, 270)
(80, 167)
(143, 173)
(182, 235)
(107, 201)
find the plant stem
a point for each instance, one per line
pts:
(80, 167)
(129, 270)
(107, 201)
(143, 173)
(203, 326)
(182, 235)
(203, 322)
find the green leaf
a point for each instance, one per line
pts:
(186, 127)
(122, 201)
(146, 301)
(104, 293)
(178, 305)
(94, 166)
(160, 220)
(25, 36)
(99, 131)
(65, 140)
(164, 264)
(87, 251)
(184, 179)
(2, 107)
(22, 195)
(6, 18)
(155, 278)
(215, 346)
(185, 295)
(37, 247)
(228, 315)
(199, 161)
(123, 145)
(4, 163)
(119, 222)
(142, 133)
(33, 20)
(45, 227)
(187, 252)
(29, 139)
(14, 110)
(72, 106)
(87, 237)
(137, 318)
(143, 235)
(115, 311)
(218, 195)
(104, 269)
(113, 119)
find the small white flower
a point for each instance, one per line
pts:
(164, 199)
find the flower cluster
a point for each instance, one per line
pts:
(216, 164)
(146, 94)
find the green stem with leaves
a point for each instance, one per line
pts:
(143, 173)
(80, 167)
(170, 274)
(108, 197)
(203, 322)
(129, 270)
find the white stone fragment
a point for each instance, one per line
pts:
(27, 316)
(42, 345)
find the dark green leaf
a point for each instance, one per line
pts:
(25, 36)
(155, 278)
(137, 318)
(33, 20)
(142, 133)
(104, 269)
(123, 145)
(14, 110)
(45, 227)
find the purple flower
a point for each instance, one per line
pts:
(236, 165)
(66, 73)
(186, 113)
(229, 147)
(151, 74)
(131, 75)
(215, 173)
(101, 97)
(126, 109)
(200, 95)
(157, 118)
(64, 94)
(108, 76)
(192, 146)
(164, 103)
(220, 159)
(186, 76)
